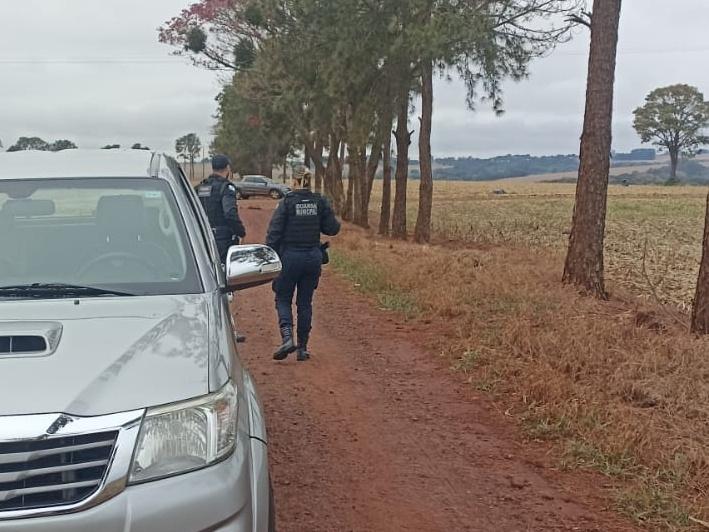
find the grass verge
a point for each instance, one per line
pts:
(618, 387)
(368, 279)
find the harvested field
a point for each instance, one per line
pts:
(653, 233)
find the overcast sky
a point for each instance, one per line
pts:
(92, 71)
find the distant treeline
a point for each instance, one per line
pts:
(473, 169)
(690, 172)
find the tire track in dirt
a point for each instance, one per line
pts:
(374, 434)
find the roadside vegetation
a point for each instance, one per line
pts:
(618, 386)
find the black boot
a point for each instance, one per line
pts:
(288, 345)
(303, 353)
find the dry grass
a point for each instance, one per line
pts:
(659, 228)
(621, 387)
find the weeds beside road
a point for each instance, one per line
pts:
(619, 386)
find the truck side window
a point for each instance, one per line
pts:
(197, 210)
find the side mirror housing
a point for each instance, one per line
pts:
(249, 266)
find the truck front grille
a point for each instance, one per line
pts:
(53, 471)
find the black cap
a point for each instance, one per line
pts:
(220, 162)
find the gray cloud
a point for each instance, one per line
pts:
(100, 102)
(661, 43)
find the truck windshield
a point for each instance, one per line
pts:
(106, 236)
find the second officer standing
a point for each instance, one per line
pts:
(218, 197)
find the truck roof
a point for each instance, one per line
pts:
(79, 163)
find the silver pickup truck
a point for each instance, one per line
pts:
(124, 406)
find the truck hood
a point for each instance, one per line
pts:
(112, 355)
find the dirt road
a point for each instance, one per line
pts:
(375, 434)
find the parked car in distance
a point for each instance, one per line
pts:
(258, 185)
(124, 405)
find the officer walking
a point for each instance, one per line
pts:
(218, 197)
(294, 233)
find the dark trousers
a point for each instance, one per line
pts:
(223, 246)
(224, 238)
(301, 273)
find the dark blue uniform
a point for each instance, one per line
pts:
(296, 226)
(218, 197)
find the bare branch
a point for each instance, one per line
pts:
(583, 18)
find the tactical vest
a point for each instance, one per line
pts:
(304, 211)
(210, 193)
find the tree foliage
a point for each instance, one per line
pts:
(320, 75)
(674, 118)
(254, 135)
(29, 143)
(188, 148)
(36, 143)
(214, 33)
(61, 145)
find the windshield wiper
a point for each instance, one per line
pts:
(59, 289)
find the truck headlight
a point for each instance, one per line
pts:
(185, 436)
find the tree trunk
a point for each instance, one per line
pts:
(339, 186)
(423, 222)
(266, 166)
(330, 170)
(385, 217)
(584, 262)
(268, 162)
(348, 208)
(358, 180)
(700, 313)
(333, 176)
(285, 170)
(314, 152)
(375, 157)
(674, 163)
(330, 176)
(319, 178)
(319, 168)
(361, 216)
(369, 169)
(403, 140)
(306, 156)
